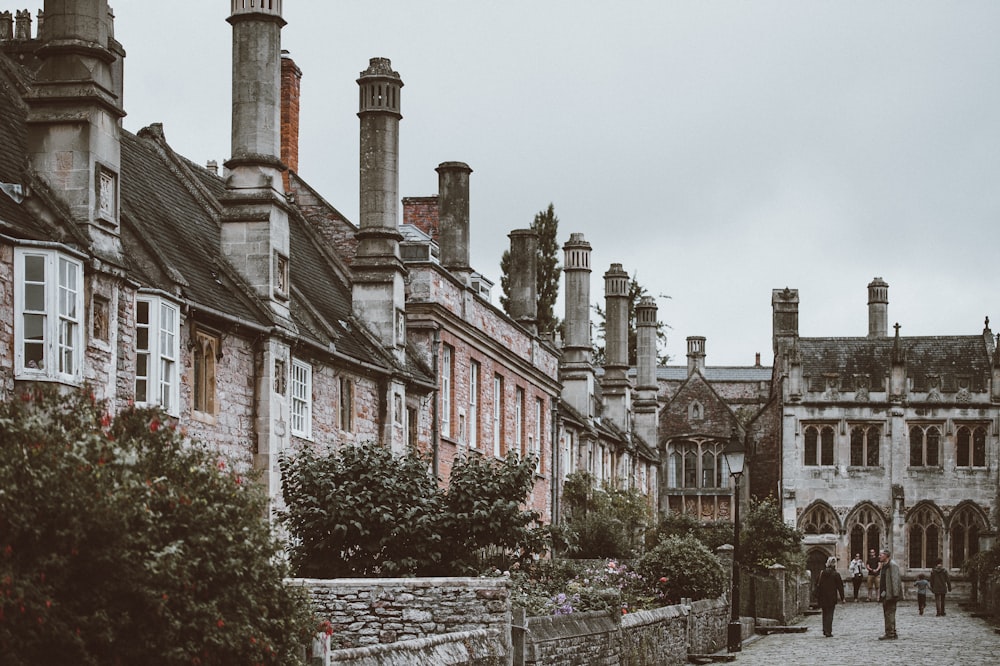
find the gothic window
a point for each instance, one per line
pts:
(925, 446)
(923, 537)
(157, 331)
(970, 447)
(818, 519)
(966, 527)
(206, 353)
(819, 445)
(865, 441)
(696, 464)
(48, 315)
(866, 531)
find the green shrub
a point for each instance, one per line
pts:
(711, 533)
(121, 542)
(603, 522)
(766, 539)
(681, 566)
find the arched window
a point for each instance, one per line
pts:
(970, 446)
(818, 445)
(866, 531)
(818, 519)
(865, 441)
(696, 464)
(966, 525)
(925, 446)
(923, 537)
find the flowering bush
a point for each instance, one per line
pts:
(683, 567)
(121, 542)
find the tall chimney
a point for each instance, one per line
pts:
(784, 318)
(291, 84)
(615, 382)
(577, 370)
(645, 405)
(423, 213)
(453, 195)
(523, 306)
(378, 287)
(255, 212)
(696, 355)
(73, 120)
(878, 308)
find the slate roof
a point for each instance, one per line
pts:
(679, 373)
(951, 357)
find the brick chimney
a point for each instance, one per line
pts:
(291, 83)
(74, 116)
(453, 195)
(423, 213)
(523, 305)
(878, 308)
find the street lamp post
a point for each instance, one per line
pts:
(735, 453)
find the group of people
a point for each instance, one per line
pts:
(884, 584)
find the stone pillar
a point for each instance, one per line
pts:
(878, 308)
(523, 305)
(453, 197)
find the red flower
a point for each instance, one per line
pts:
(220, 624)
(663, 579)
(154, 425)
(106, 420)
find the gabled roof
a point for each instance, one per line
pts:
(717, 419)
(951, 357)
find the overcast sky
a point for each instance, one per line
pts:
(717, 150)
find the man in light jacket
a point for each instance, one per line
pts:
(890, 591)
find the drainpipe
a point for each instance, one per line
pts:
(435, 344)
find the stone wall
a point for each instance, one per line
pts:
(372, 611)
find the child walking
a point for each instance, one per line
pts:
(922, 585)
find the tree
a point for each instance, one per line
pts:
(635, 293)
(122, 542)
(603, 522)
(766, 539)
(688, 567)
(365, 511)
(546, 224)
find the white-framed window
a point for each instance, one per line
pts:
(536, 448)
(519, 421)
(497, 415)
(301, 399)
(157, 335)
(48, 315)
(446, 396)
(473, 405)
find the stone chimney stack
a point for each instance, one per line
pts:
(878, 308)
(453, 197)
(74, 116)
(615, 383)
(784, 318)
(378, 288)
(255, 212)
(523, 306)
(291, 84)
(577, 370)
(696, 355)
(645, 405)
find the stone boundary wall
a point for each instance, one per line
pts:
(482, 647)
(371, 611)
(659, 636)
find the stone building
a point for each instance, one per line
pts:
(886, 440)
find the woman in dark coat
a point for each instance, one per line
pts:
(829, 588)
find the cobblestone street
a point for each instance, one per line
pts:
(924, 640)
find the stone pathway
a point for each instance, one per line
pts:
(924, 640)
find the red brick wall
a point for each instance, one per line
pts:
(291, 77)
(422, 212)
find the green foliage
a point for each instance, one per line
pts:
(983, 564)
(546, 225)
(711, 533)
(766, 539)
(364, 511)
(564, 586)
(121, 542)
(635, 292)
(604, 522)
(690, 569)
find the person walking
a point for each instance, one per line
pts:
(874, 566)
(922, 586)
(858, 569)
(829, 587)
(890, 591)
(940, 584)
